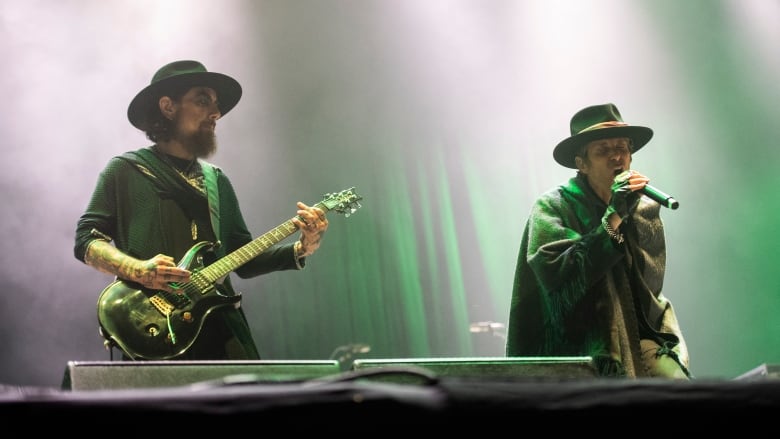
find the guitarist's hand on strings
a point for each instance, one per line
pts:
(312, 223)
(161, 273)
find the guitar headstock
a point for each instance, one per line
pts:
(346, 201)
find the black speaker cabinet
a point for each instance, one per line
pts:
(403, 370)
(98, 375)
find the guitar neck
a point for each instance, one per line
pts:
(249, 251)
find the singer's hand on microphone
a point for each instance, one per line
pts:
(625, 195)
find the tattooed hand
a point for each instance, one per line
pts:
(159, 272)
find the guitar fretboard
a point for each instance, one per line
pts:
(247, 252)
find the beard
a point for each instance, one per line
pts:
(201, 144)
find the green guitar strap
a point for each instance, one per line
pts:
(212, 192)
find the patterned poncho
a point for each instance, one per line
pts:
(577, 292)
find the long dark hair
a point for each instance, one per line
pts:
(160, 128)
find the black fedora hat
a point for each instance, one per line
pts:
(594, 123)
(178, 74)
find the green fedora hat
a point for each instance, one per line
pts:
(182, 73)
(594, 123)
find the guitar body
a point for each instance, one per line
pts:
(157, 325)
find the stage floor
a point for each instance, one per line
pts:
(394, 399)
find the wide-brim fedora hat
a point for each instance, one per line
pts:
(594, 123)
(178, 74)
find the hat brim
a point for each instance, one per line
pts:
(565, 151)
(228, 93)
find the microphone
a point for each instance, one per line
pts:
(659, 196)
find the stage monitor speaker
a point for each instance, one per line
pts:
(99, 375)
(537, 368)
(762, 372)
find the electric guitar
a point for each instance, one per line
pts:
(159, 325)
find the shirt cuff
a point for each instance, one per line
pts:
(300, 261)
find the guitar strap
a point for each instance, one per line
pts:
(212, 193)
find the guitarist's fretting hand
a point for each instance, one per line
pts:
(312, 223)
(157, 273)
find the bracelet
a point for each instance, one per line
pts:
(611, 232)
(300, 260)
(297, 250)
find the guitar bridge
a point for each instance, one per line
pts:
(162, 305)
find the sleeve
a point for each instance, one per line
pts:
(99, 220)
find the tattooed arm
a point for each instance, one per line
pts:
(156, 273)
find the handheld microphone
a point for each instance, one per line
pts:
(662, 198)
